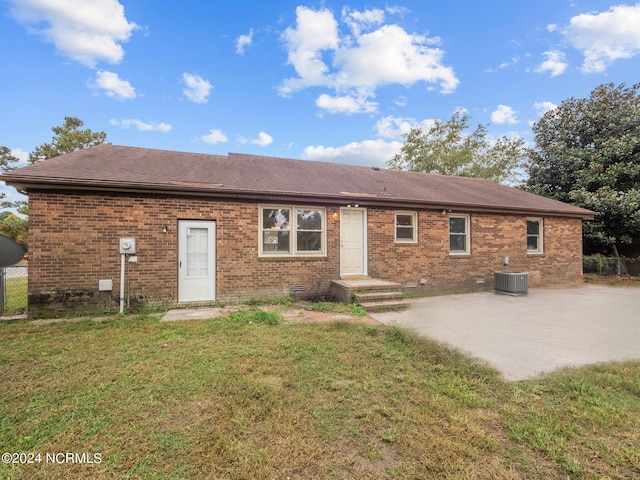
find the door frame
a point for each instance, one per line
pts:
(364, 242)
(182, 226)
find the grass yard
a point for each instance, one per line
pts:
(251, 398)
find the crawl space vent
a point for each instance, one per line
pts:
(296, 290)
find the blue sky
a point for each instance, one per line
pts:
(327, 80)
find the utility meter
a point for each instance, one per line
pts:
(127, 245)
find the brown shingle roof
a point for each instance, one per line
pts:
(111, 167)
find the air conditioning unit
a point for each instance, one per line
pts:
(513, 283)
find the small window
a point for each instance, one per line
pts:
(406, 227)
(534, 235)
(459, 234)
(292, 231)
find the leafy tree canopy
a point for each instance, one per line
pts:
(446, 148)
(14, 227)
(68, 138)
(7, 160)
(588, 153)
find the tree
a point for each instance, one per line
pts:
(588, 153)
(447, 149)
(68, 138)
(14, 227)
(7, 159)
(7, 162)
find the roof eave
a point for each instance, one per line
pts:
(25, 183)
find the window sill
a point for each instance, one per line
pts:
(293, 257)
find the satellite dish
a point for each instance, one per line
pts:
(10, 252)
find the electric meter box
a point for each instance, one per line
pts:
(127, 246)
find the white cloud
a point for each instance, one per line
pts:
(555, 63)
(88, 32)
(263, 140)
(543, 107)
(197, 89)
(315, 32)
(391, 55)
(371, 153)
(345, 104)
(359, 20)
(355, 65)
(141, 126)
(22, 156)
(214, 136)
(504, 114)
(244, 41)
(113, 86)
(395, 127)
(605, 37)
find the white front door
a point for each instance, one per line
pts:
(196, 261)
(352, 242)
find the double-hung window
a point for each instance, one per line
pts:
(459, 243)
(406, 227)
(534, 235)
(289, 231)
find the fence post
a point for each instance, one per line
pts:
(2, 272)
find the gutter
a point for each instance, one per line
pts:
(25, 184)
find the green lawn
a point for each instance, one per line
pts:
(251, 398)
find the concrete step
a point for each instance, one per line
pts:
(388, 306)
(367, 297)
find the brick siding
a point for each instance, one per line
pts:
(492, 238)
(73, 240)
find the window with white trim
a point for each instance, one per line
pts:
(286, 231)
(406, 227)
(459, 243)
(534, 235)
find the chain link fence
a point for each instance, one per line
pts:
(601, 265)
(13, 289)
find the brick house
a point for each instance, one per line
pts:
(211, 228)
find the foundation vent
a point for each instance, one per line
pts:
(296, 290)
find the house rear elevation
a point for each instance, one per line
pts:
(208, 228)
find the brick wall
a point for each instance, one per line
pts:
(492, 238)
(73, 239)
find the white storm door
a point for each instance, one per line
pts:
(196, 261)
(352, 242)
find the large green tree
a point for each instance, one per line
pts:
(447, 148)
(68, 138)
(587, 152)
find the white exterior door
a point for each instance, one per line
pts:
(196, 261)
(352, 242)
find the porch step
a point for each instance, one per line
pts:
(372, 294)
(388, 306)
(371, 297)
